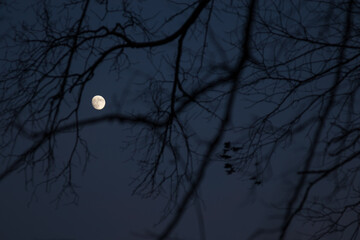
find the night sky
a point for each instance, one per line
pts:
(247, 185)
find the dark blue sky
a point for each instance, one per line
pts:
(229, 206)
(106, 208)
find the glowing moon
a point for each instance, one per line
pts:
(98, 102)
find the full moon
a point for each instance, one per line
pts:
(98, 102)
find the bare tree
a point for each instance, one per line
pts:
(296, 64)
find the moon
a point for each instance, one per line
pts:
(98, 102)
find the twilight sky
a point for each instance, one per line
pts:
(138, 81)
(106, 208)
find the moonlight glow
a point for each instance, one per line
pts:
(98, 102)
